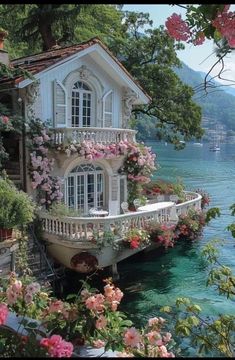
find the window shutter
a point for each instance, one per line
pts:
(108, 109)
(60, 104)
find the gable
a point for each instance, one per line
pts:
(41, 64)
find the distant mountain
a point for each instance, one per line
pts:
(218, 104)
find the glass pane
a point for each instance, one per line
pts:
(80, 193)
(75, 109)
(90, 191)
(71, 199)
(100, 191)
(86, 105)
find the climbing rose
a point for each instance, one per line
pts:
(57, 347)
(3, 313)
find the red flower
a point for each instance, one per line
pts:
(5, 119)
(134, 244)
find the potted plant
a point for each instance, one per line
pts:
(16, 209)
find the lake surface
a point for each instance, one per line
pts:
(154, 279)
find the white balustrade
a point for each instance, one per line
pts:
(97, 135)
(82, 229)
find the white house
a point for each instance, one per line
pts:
(86, 96)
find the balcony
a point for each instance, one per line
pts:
(82, 229)
(97, 135)
(67, 237)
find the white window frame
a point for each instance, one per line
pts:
(85, 174)
(57, 106)
(110, 92)
(81, 93)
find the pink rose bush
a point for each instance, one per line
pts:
(90, 318)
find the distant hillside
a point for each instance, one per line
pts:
(217, 104)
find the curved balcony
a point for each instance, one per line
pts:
(81, 230)
(97, 135)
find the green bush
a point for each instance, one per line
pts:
(16, 207)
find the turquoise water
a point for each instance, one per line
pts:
(154, 279)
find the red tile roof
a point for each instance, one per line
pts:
(41, 61)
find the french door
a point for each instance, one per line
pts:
(85, 188)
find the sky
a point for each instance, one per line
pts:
(199, 58)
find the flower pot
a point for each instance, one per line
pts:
(5, 234)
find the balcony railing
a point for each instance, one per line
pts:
(97, 135)
(82, 229)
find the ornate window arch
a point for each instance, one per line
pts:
(87, 80)
(84, 187)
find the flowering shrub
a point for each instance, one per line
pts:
(190, 226)
(211, 21)
(41, 167)
(205, 198)
(5, 123)
(90, 318)
(136, 238)
(163, 234)
(163, 187)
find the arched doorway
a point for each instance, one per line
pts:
(85, 188)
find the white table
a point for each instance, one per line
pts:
(156, 206)
(100, 213)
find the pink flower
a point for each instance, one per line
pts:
(132, 337)
(167, 337)
(16, 286)
(95, 302)
(200, 38)
(177, 28)
(12, 296)
(28, 298)
(3, 313)
(154, 338)
(98, 343)
(5, 119)
(33, 288)
(56, 306)
(57, 347)
(101, 322)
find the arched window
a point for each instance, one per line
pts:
(108, 109)
(85, 188)
(82, 102)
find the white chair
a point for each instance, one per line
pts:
(160, 198)
(124, 207)
(174, 198)
(91, 211)
(136, 203)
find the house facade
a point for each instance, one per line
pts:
(82, 150)
(84, 94)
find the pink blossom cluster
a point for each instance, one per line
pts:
(150, 342)
(91, 150)
(41, 168)
(177, 28)
(3, 313)
(4, 119)
(225, 24)
(140, 159)
(16, 291)
(57, 347)
(98, 302)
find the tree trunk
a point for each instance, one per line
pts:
(46, 34)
